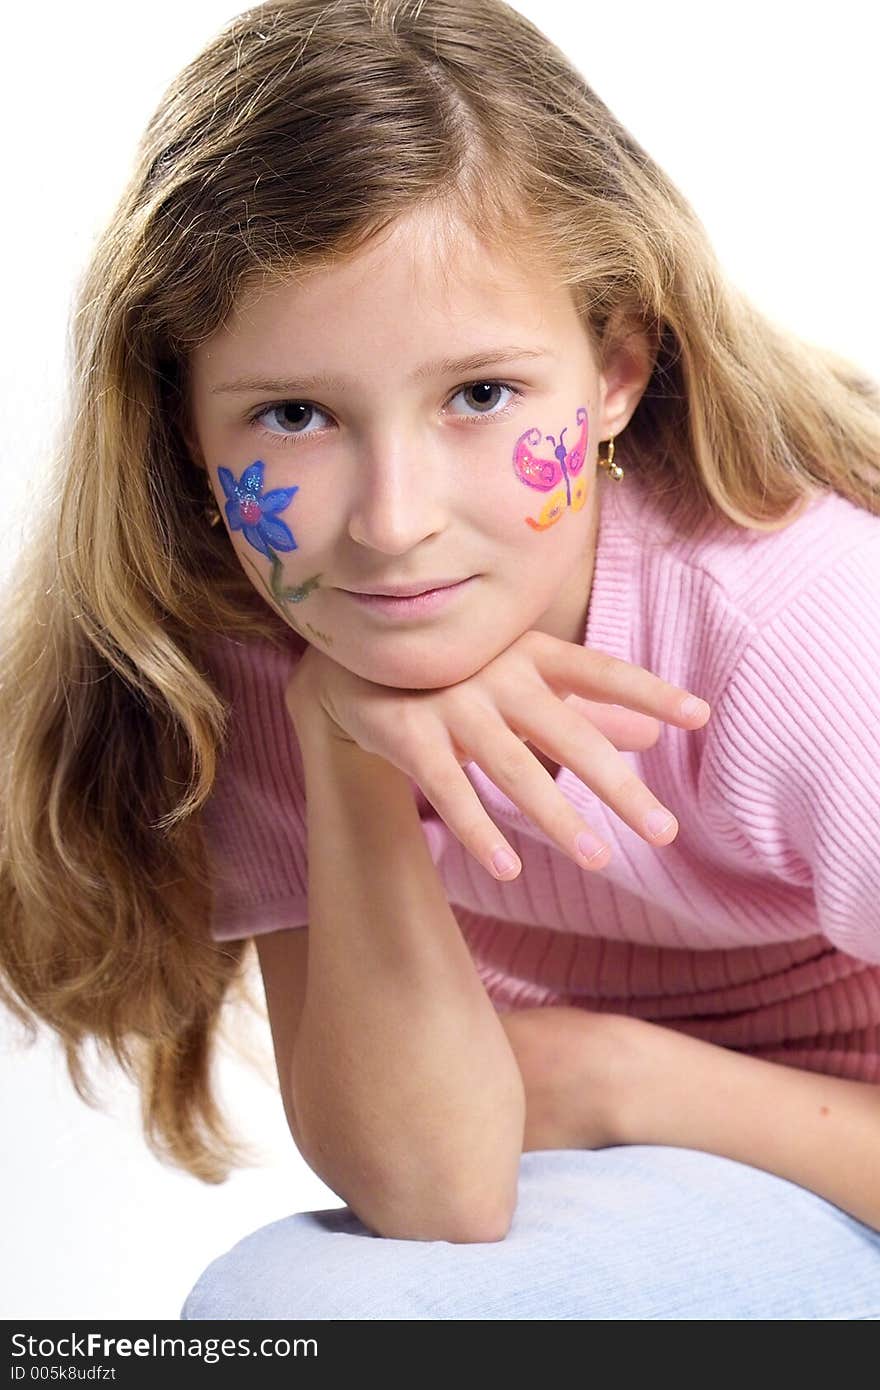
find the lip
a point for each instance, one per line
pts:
(408, 590)
(413, 606)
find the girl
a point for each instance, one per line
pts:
(553, 961)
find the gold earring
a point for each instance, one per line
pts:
(614, 469)
(212, 512)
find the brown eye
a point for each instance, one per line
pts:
(290, 416)
(481, 396)
(481, 391)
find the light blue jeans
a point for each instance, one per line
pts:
(638, 1231)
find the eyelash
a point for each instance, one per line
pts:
(262, 410)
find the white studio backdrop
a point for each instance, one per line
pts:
(764, 115)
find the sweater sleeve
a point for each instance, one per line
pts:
(790, 776)
(254, 821)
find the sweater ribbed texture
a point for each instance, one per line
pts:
(758, 928)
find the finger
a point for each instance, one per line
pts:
(573, 742)
(627, 730)
(447, 787)
(599, 676)
(504, 758)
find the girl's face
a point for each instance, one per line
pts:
(409, 417)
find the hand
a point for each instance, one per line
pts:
(523, 693)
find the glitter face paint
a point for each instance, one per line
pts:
(254, 513)
(545, 474)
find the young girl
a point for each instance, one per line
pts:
(574, 989)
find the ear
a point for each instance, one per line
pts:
(179, 406)
(627, 361)
(193, 446)
(186, 430)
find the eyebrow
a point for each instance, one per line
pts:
(443, 367)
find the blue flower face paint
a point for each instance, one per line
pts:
(254, 513)
(545, 474)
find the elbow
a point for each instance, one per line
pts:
(388, 1211)
(469, 1228)
(437, 1211)
(493, 1226)
(486, 1217)
(416, 1200)
(467, 1214)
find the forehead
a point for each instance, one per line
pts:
(411, 295)
(427, 262)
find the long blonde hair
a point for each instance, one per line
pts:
(300, 132)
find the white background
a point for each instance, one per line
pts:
(766, 117)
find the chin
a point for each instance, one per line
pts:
(431, 671)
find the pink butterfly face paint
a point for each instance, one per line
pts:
(254, 513)
(546, 474)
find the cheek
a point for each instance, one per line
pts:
(267, 524)
(267, 513)
(550, 464)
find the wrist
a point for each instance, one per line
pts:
(621, 1059)
(327, 751)
(312, 725)
(653, 1075)
(311, 722)
(582, 1072)
(672, 1076)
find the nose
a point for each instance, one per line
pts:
(399, 497)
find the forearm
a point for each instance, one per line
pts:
(406, 1091)
(818, 1131)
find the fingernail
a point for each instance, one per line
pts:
(657, 822)
(503, 861)
(692, 706)
(589, 845)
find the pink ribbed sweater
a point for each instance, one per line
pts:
(759, 927)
